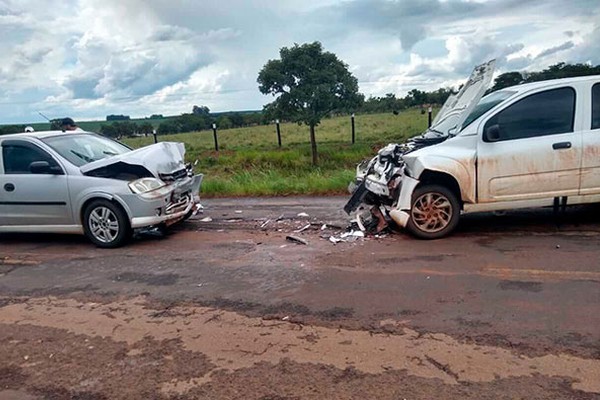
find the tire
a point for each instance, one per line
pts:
(434, 212)
(106, 224)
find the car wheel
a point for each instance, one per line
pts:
(434, 212)
(106, 224)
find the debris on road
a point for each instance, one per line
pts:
(206, 219)
(350, 236)
(305, 227)
(303, 214)
(296, 239)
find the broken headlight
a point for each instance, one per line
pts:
(149, 187)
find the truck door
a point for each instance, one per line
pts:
(530, 149)
(590, 171)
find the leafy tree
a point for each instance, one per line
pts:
(201, 110)
(146, 128)
(109, 130)
(223, 122)
(169, 126)
(506, 80)
(310, 84)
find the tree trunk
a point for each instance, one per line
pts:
(313, 146)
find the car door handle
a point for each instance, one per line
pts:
(561, 145)
(9, 187)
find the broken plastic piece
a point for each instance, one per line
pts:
(302, 229)
(296, 239)
(207, 219)
(303, 214)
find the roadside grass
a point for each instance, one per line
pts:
(250, 163)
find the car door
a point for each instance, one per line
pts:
(590, 171)
(530, 149)
(28, 198)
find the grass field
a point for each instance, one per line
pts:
(250, 162)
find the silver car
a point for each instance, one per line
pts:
(86, 183)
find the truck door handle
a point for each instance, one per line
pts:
(561, 145)
(9, 187)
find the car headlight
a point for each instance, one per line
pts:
(149, 187)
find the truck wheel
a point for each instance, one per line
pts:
(106, 224)
(434, 212)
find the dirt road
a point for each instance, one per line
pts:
(226, 308)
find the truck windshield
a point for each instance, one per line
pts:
(486, 104)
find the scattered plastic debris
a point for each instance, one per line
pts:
(350, 236)
(238, 211)
(265, 223)
(302, 229)
(296, 239)
(286, 318)
(206, 219)
(324, 227)
(303, 214)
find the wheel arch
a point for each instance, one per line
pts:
(104, 196)
(432, 177)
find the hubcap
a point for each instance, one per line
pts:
(104, 224)
(432, 212)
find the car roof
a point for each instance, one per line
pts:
(535, 85)
(38, 135)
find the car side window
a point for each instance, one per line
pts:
(546, 113)
(17, 158)
(596, 106)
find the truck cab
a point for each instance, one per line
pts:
(529, 145)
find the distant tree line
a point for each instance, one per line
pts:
(202, 119)
(414, 98)
(556, 71)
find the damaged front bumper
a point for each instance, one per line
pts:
(383, 184)
(181, 201)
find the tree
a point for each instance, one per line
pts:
(310, 84)
(507, 79)
(202, 110)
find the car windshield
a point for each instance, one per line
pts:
(84, 148)
(486, 104)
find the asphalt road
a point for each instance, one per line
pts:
(225, 307)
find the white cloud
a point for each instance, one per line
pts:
(89, 58)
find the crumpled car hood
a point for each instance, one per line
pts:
(158, 158)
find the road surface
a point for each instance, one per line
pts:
(224, 307)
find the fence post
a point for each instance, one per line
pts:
(353, 130)
(278, 132)
(154, 134)
(429, 111)
(214, 128)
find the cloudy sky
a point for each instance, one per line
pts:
(90, 58)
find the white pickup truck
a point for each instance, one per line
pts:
(529, 145)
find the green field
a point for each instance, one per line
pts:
(250, 163)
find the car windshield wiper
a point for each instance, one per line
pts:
(109, 153)
(436, 131)
(82, 156)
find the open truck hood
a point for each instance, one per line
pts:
(458, 107)
(158, 158)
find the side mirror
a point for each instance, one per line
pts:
(492, 133)
(43, 167)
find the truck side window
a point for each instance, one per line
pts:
(546, 113)
(596, 106)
